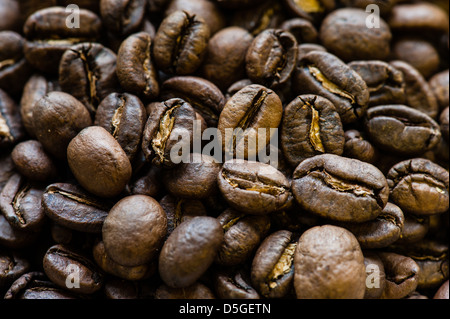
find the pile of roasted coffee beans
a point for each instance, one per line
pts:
(119, 178)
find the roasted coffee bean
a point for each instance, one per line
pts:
(98, 162)
(36, 285)
(49, 37)
(148, 183)
(122, 16)
(401, 129)
(124, 117)
(10, 16)
(224, 62)
(415, 228)
(419, 186)
(135, 66)
(313, 10)
(385, 6)
(180, 43)
(71, 206)
(250, 112)
(324, 74)
(242, 235)
(303, 30)
(272, 270)
(166, 122)
(253, 187)
(36, 88)
(57, 119)
(11, 127)
(230, 285)
(341, 262)
(179, 210)
(340, 188)
(311, 126)
(207, 10)
(305, 48)
(384, 82)
(203, 95)
(7, 169)
(380, 232)
(439, 84)
(375, 280)
(189, 251)
(12, 266)
(31, 160)
(109, 266)
(134, 230)
(88, 72)
(195, 291)
(356, 146)
(59, 262)
(15, 238)
(402, 275)
(442, 292)
(14, 68)
(20, 203)
(443, 121)
(271, 58)
(418, 94)
(195, 179)
(344, 32)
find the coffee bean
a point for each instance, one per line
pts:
(11, 127)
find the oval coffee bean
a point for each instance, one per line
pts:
(272, 269)
(329, 264)
(98, 162)
(340, 188)
(11, 127)
(310, 126)
(253, 187)
(134, 230)
(122, 16)
(189, 251)
(419, 186)
(234, 286)
(60, 262)
(401, 129)
(72, 207)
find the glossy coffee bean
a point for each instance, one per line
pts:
(11, 127)
(303, 30)
(342, 264)
(349, 190)
(134, 230)
(122, 16)
(358, 147)
(189, 251)
(12, 266)
(230, 285)
(439, 84)
(443, 122)
(311, 126)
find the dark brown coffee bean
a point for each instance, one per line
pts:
(271, 58)
(442, 292)
(204, 96)
(88, 72)
(242, 235)
(253, 187)
(10, 15)
(195, 291)
(57, 118)
(135, 67)
(122, 16)
(272, 270)
(341, 263)
(251, 111)
(15, 238)
(305, 48)
(415, 228)
(36, 285)
(230, 285)
(340, 188)
(61, 261)
(189, 251)
(303, 30)
(166, 122)
(11, 127)
(49, 37)
(72, 207)
(195, 179)
(98, 162)
(180, 43)
(310, 126)
(224, 62)
(31, 160)
(418, 94)
(356, 146)
(324, 74)
(439, 84)
(401, 129)
(376, 278)
(134, 230)
(419, 186)
(124, 117)
(313, 11)
(344, 33)
(20, 203)
(443, 123)
(401, 275)
(7, 169)
(12, 266)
